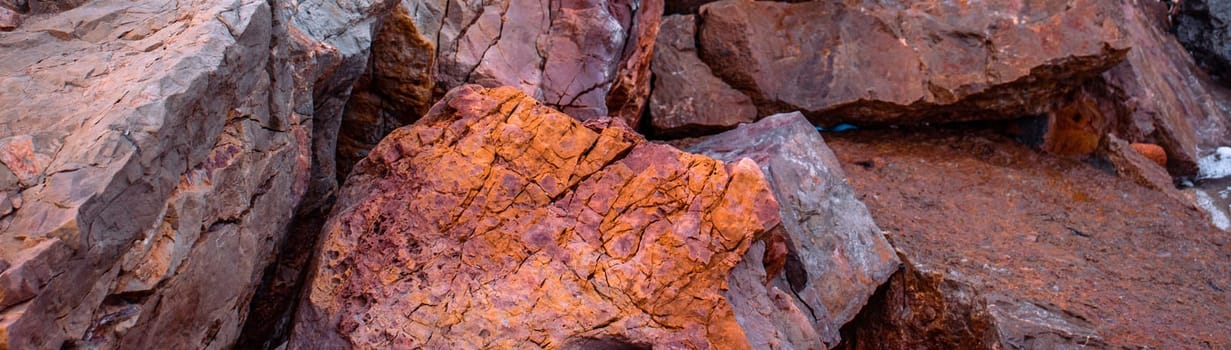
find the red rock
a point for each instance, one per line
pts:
(836, 257)
(496, 221)
(687, 97)
(1008, 248)
(588, 58)
(909, 62)
(9, 19)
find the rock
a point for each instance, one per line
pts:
(588, 58)
(9, 19)
(1006, 248)
(151, 156)
(395, 90)
(1137, 162)
(836, 255)
(1168, 100)
(687, 97)
(1214, 197)
(496, 221)
(1204, 26)
(895, 62)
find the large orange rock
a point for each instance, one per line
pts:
(496, 221)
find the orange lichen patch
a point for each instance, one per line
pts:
(498, 222)
(1153, 152)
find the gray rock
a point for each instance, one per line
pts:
(836, 255)
(158, 149)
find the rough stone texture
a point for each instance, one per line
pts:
(9, 19)
(395, 90)
(1214, 197)
(152, 154)
(1204, 26)
(496, 221)
(1133, 162)
(687, 97)
(588, 58)
(1169, 101)
(1006, 248)
(909, 62)
(835, 257)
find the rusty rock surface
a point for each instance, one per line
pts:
(496, 221)
(835, 257)
(1008, 248)
(909, 62)
(151, 156)
(687, 98)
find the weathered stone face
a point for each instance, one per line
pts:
(153, 153)
(1204, 27)
(588, 58)
(1007, 248)
(908, 62)
(687, 97)
(836, 256)
(496, 221)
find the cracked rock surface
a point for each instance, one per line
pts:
(151, 156)
(835, 255)
(496, 221)
(587, 58)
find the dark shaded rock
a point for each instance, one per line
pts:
(909, 62)
(1007, 248)
(835, 255)
(1204, 27)
(687, 97)
(496, 221)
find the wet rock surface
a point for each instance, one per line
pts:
(496, 221)
(152, 156)
(930, 61)
(1008, 248)
(831, 257)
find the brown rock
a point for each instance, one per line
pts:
(837, 256)
(1007, 248)
(687, 98)
(1170, 101)
(909, 62)
(151, 156)
(496, 221)
(1137, 162)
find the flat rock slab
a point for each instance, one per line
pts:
(496, 221)
(1007, 248)
(909, 62)
(833, 256)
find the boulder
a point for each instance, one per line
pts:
(835, 255)
(1006, 248)
(151, 156)
(495, 221)
(588, 58)
(909, 62)
(1204, 26)
(687, 97)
